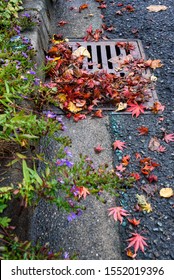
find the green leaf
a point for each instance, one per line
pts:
(4, 221)
(21, 156)
(25, 171)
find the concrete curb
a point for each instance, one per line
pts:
(93, 235)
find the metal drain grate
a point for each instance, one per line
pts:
(101, 52)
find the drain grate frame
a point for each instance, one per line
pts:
(102, 51)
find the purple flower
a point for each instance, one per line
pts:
(50, 115)
(74, 190)
(71, 216)
(66, 256)
(48, 58)
(24, 54)
(60, 180)
(71, 203)
(69, 163)
(61, 162)
(68, 153)
(79, 212)
(26, 15)
(17, 29)
(25, 40)
(37, 82)
(31, 72)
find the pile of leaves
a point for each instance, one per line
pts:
(75, 88)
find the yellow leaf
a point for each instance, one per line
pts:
(61, 97)
(81, 51)
(121, 106)
(72, 108)
(157, 8)
(166, 192)
(143, 203)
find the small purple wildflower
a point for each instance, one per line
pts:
(79, 212)
(68, 153)
(60, 180)
(17, 29)
(31, 72)
(71, 203)
(74, 190)
(26, 15)
(71, 216)
(69, 163)
(61, 162)
(37, 81)
(25, 40)
(50, 115)
(24, 54)
(48, 58)
(66, 256)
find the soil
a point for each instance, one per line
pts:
(156, 31)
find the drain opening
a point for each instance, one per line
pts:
(103, 51)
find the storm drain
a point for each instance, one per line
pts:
(106, 55)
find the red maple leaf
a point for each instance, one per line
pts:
(161, 149)
(120, 167)
(118, 213)
(152, 178)
(135, 175)
(78, 117)
(125, 160)
(119, 145)
(134, 221)
(136, 109)
(82, 192)
(98, 114)
(168, 137)
(62, 23)
(137, 241)
(98, 149)
(143, 130)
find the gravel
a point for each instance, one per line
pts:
(156, 31)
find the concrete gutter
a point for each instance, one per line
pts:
(93, 235)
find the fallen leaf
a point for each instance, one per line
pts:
(121, 106)
(169, 137)
(72, 107)
(154, 144)
(130, 254)
(161, 149)
(118, 213)
(150, 189)
(143, 130)
(82, 192)
(125, 160)
(145, 206)
(78, 117)
(152, 178)
(120, 168)
(156, 63)
(156, 8)
(137, 241)
(82, 7)
(81, 51)
(135, 175)
(98, 149)
(62, 23)
(166, 192)
(157, 107)
(130, 8)
(119, 145)
(134, 221)
(98, 114)
(135, 109)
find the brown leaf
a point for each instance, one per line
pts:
(82, 7)
(154, 144)
(166, 192)
(98, 149)
(143, 130)
(156, 8)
